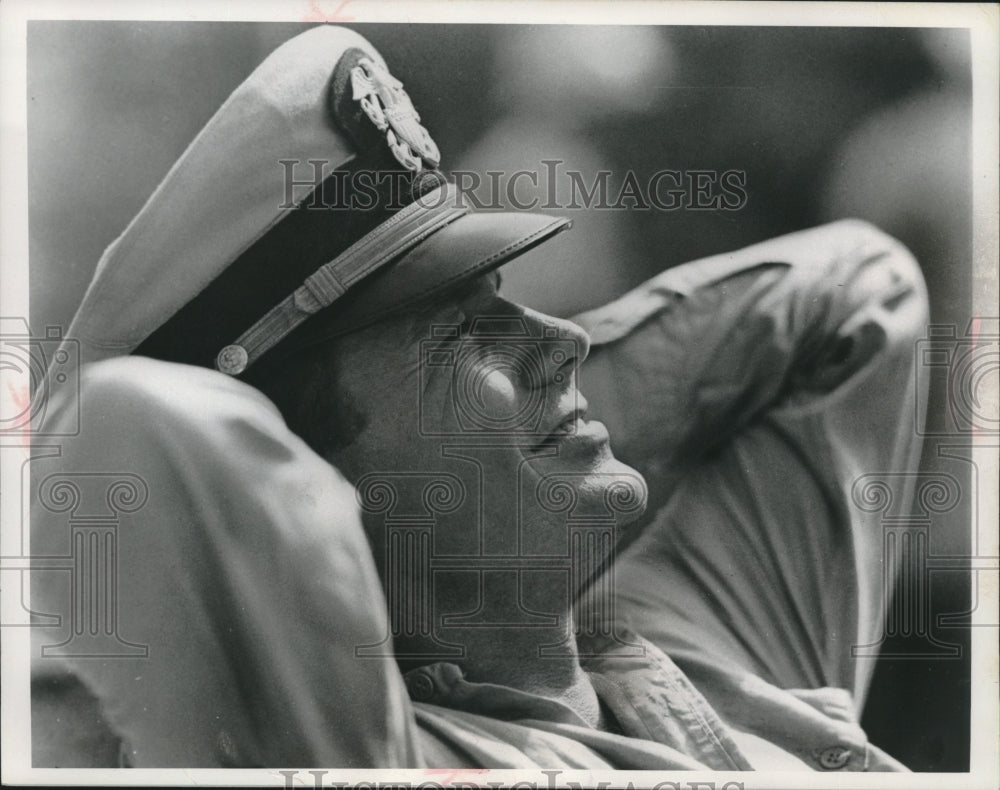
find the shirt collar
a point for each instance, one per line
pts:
(644, 690)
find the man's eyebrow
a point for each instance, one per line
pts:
(478, 288)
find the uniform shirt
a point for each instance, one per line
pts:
(754, 390)
(659, 721)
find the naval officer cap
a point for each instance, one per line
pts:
(222, 267)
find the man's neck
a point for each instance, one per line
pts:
(514, 660)
(532, 656)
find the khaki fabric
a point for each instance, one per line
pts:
(752, 390)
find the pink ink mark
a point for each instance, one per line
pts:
(450, 776)
(317, 14)
(21, 399)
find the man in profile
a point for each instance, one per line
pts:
(377, 520)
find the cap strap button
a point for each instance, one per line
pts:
(232, 360)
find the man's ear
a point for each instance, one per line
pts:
(306, 387)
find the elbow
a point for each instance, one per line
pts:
(886, 282)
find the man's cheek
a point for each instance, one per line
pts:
(478, 400)
(497, 398)
(483, 397)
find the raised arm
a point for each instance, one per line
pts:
(682, 363)
(755, 390)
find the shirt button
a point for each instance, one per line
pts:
(419, 685)
(834, 758)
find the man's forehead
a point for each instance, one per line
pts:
(488, 283)
(482, 286)
(453, 306)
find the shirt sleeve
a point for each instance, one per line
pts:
(683, 362)
(217, 580)
(755, 391)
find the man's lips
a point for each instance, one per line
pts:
(574, 429)
(569, 423)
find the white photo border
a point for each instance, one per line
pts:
(982, 22)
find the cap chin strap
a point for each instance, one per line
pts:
(398, 234)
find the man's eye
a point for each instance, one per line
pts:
(463, 321)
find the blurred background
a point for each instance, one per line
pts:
(824, 122)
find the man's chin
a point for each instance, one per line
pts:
(624, 491)
(603, 487)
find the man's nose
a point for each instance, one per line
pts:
(564, 345)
